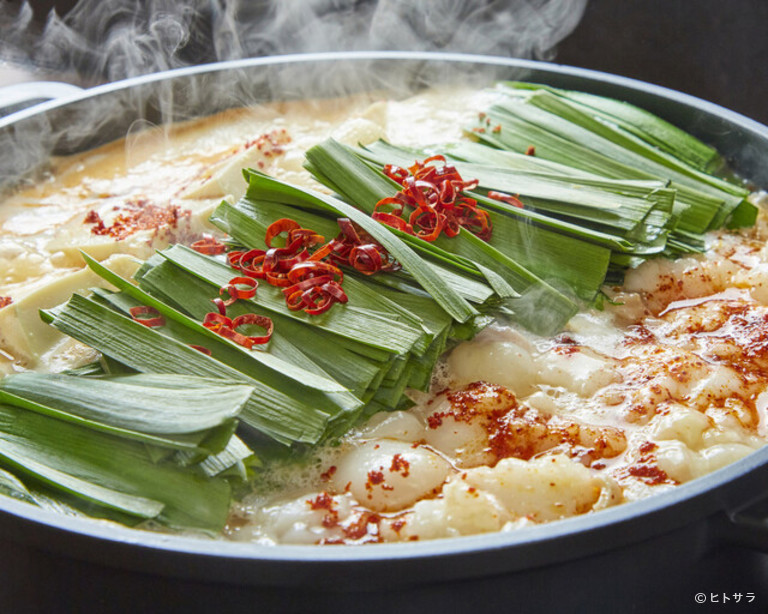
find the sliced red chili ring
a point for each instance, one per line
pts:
(341, 247)
(233, 259)
(340, 255)
(392, 202)
(393, 221)
(250, 286)
(312, 269)
(215, 321)
(395, 173)
(202, 349)
(286, 263)
(415, 192)
(429, 222)
(348, 229)
(292, 248)
(317, 301)
(335, 290)
(447, 193)
(366, 258)
(505, 198)
(146, 315)
(295, 301)
(229, 333)
(236, 291)
(306, 284)
(283, 225)
(321, 252)
(430, 190)
(309, 238)
(282, 259)
(255, 320)
(220, 305)
(278, 279)
(479, 224)
(209, 246)
(452, 226)
(251, 263)
(430, 159)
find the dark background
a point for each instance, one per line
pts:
(713, 49)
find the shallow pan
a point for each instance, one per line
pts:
(674, 552)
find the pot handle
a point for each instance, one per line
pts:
(19, 96)
(746, 527)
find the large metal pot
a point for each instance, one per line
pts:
(687, 549)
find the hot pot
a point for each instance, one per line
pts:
(688, 549)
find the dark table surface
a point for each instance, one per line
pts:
(713, 49)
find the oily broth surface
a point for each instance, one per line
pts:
(664, 386)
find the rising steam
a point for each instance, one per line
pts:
(106, 40)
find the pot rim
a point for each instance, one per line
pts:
(722, 490)
(277, 60)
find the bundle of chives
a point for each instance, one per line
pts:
(643, 124)
(346, 172)
(620, 214)
(102, 444)
(564, 133)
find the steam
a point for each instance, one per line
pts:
(107, 40)
(102, 41)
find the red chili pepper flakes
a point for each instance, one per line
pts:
(5, 301)
(433, 189)
(146, 315)
(135, 215)
(270, 143)
(209, 246)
